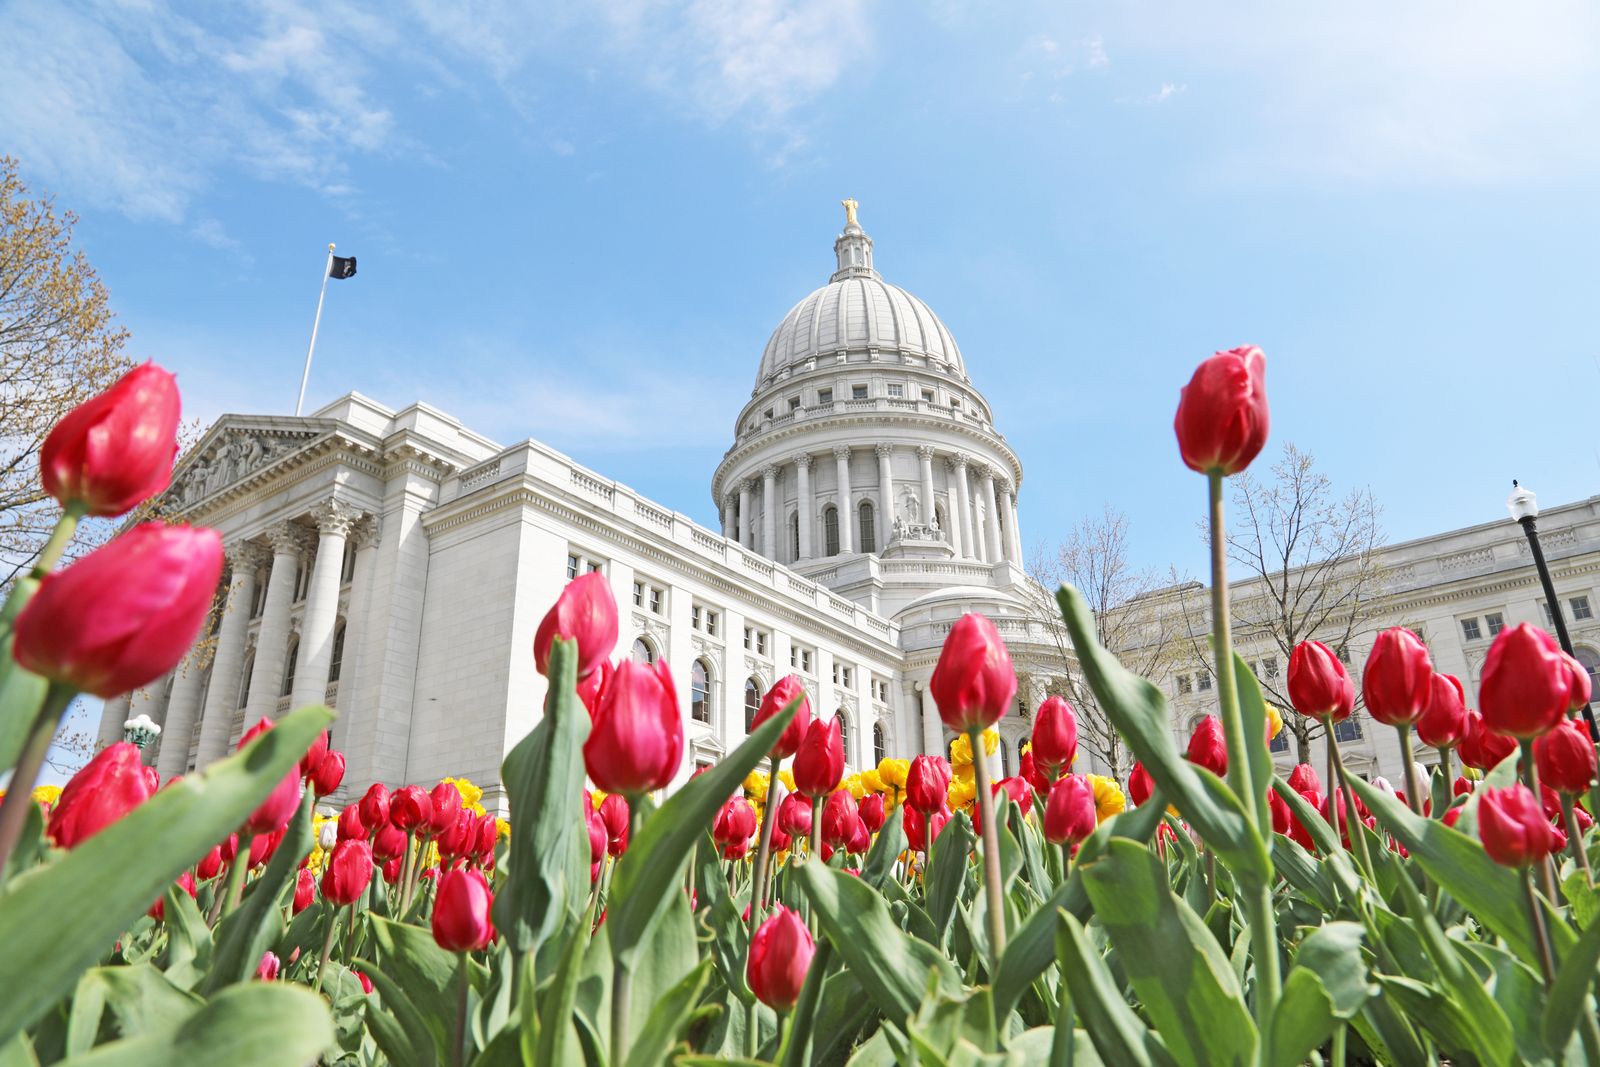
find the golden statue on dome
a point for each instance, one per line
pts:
(850, 206)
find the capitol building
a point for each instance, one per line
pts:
(395, 564)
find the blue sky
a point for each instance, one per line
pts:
(581, 227)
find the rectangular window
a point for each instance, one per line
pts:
(1269, 668)
(1203, 681)
(1580, 607)
(843, 675)
(897, 390)
(1470, 630)
(927, 396)
(800, 658)
(1544, 606)
(1349, 730)
(755, 640)
(1496, 622)
(579, 564)
(858, 392)
(704, 619)
(651, 598)
(638, 594)
(824, 396)
(1185, 685)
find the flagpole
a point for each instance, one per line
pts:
(327, 269)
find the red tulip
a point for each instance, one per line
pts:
(460, 836)
(329, 774)
(1018, 790)
(391, 870)
(839, 815)
(1029, 771)
(593, 684)
(126, 613)
(1461, 787)
(115, 451)
(1069, 815)
(596, 827)
(1525, 688)
(1207, 748)
(158, 910)
(267, 969)
(375, 806)
(1577, 684)
(780, 957)
(794, 815)
(366, 983)
(461, 912)
(444, 804)
(734, 826)
(585, 612)
(1397, 682)
(1140, 784)
(211, 865)
(274, 812)
(107, 788)
(973, 683)
(1444, 722)
(1282, 818)
(783, 693)
(348, 872)
(389, 842)
(614, 814)
(1055, 737)
(263, 846)
(1319, 686)
(871, 811)
(488, 834)
(1302, 777)
(229, 848)
(305, 890)
(351, 826)
(153, 778)
(819, 763)
(1481, 748)
(1297, 829)
(314, 755)
(928, 783)
(409, 808)
(915, 825)
(1513, 827)
(636, 744)
(1222, 416)
(860, 837)
(1565, 758)
(780, 840)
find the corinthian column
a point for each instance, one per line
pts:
(847, 522)
(991, 508)
(925, 462)
(964, 498)
(1008, 512)
(178, 731)
(216, 718)
(272, 642)
(802, 466)
(730, 517)
(334, 519)
(885, 452)
(746, 519)
(769, 511)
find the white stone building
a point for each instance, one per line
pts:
(395, 564)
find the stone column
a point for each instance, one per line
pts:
(991, 509)
(112, 716)
(272, 641)
(885, 452)
(352, 670)
(334, 518)
(952, 514)
(769, 511)
(807, 511)
(925, 461)
(746, 519)
(730, 516)
(847, 522)
(178, 731)
(1016, 528)
(932, 726)
(216, 719)
(969, 543)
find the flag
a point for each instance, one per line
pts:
(343, 267)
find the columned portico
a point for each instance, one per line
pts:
(885, 453)
(272, 642)
(334, 519)
(807, 512)
(841, 460)
(216, 718)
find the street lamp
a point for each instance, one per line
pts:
(140, 731)
(1524, 508)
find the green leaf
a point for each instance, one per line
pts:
(22, 692)
(1253, 712)
(1181, 974)
(555, 1004)
(948, 864)
(264, 1024)
(1333, 953)
(667, 1018)
(426, 972)
(189, 944)
(1118, 1034)
(108, 881)
(1582, 898)
(1303, 1019)
(251, 928)
(1570, 995)
(397, 1026)
(139, 999)
(892, 966)
(879, 866)
(648, 873)
(543, 778)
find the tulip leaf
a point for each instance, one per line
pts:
(1253, 712)
(543, 775)
(1139, 712)
(667, 1018)
(1570, 995)
(554, 1018)
(252, 927)
(1119, 1035)
(879, 865)
(109, 880)
(1302, 1020)
(652, 868)
(397, 1026)
(426, 972)
(22, 692)
(139, 998)
(947, 872)
(1333, 953)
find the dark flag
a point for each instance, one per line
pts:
(342, 267)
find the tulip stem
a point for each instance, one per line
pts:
(1354, 828)
(19, 794)
(405, 878)
(60, 537)
(994, 892)
(1575, 838)
(1530, 775)
(1448, 771)
(758, 880)
(622, 976)
(1222, 648)
(460, 1055)
(350, 943)
(327, 944)
(1547, 962)
(1413, 794)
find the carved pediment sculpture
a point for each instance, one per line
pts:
(232, 456)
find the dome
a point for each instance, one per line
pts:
(858, 311)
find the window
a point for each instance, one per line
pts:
(1470, 630)
(288, 668)
(844, 732)
(347, 570)
(843, 675)
(897, 391)
(927, 396)
(1185, 685)
(1580, 607)
(707, 620)
(337, 662)
(794, 535)
(868, 537)
(1203, 681)
(794, 403)
(752, 703)
(824, 396)
(579, 564)
(651, 598)
(955, 403)
(244, 687)
(1344, 655)
(1591, 663)
(756, 640)
(1269, 667)
(1496, 622)
(1281, 742)
(830, 530)
(258, 604)
(880, 743)
(858, 392)
(1000, 750)
(800, 658)
(1349, 730)
(1544, 606)
(643, 652)
(700, 692)
(880, 690)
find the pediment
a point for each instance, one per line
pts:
(229, 454)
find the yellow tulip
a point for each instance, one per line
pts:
(1108, 798)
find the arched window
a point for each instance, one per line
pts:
(830, 530)
(752, 703)
(337, 663)
(700, 692)
(1591, 663)
(643, 651)
(1002, 751)
(794, 535)
(288, 667)
(868, 539)
(880, 742)
(938, 517)
(844, 732)
(244, 687)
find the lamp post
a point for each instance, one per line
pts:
(1524, 507)
(140, 731)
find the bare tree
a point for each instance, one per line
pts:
(1094, 559)
(1303, 562)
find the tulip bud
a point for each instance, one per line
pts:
(389, 842)
(585, 612)
(870, 808)
(461, 834)
(819, 763)
(1029, 771)
(1014, 788)
(614, 815)
(107, 788)
(860, 837)
(1140, 784)
(211, 865)
(366, 983)
(1279, 809)
(230, 848)
(375, 806)
(1577, 684)
(636, 743)
(839, 815)
(267, 969)
(734, 825)
(1302, 777)
(488, 833)
(973, 683)
(794, 816)
(275, 811)
(780, 840)
(928, 783)
(328, 835)
(305, 891)
(409, 808)
(1207, 748)
(1565, 758)
(152, 778)
(125, 614)
(1055, 737)
(1069, 815)
(313, 757)
(158, 910)
(596, 828)
(1319, 686)
(115, 451)
(1481, 748)
(391, 871)
(329, 774)
(444, 804)
(780, 957)
(1513, 827)
(351, 826)
(593, 684)
(1525, 687)
(785, 691)
(1397, 683)
(461, 912)
(1444, 722)
(1222, 415)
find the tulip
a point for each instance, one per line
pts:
(444, 804)
(115, 450)
(794, 816)
(1513, 827)
(1565, 758)
(328, 835)
(456, 838)
(784, 692)
(1525, 688)
(1444, 722)
(585, 612)
(1397, 683)
(915, 825)
(973, 683)
(614, 814)
(1577, 684)
(780, 957)
(314, 756)
(870, 808)
(1282, 818)
(636, 744)
(107, 788)
(158, 910)
(488, 833)
(305, 890)
(409, 808)
(153, 779)
(860, 837)
(264, 846)
(461, 912)
(1319, 686)
(125, 614)
(375, 806)
(1029, 771)
(1054, 744)
(1222, 415)
(593, 684)
(329, 774)
(391, 870)
(389, 842)
(839, 815)
(734, 826)
(1481, 748)
(1303, 777)
(1207, 748)
(274, 812)
(1140, 784)
(1069, 814)
(267, 969)
(597, 833)
(819, 762)
(351, 825)
(348, 874)
(366, 983)
(229, 848)
(928, 783)
(211, 866)
(1018, 790)
(780, 840)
